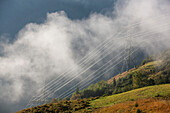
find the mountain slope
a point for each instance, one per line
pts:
(150, 105)
(141, 93)
(149, 75)
(158, 94)
(149, 99)
(152, 71)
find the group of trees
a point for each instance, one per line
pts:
(131, 81)
(135, 79)
(93, 90)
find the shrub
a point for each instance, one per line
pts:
(136, 104)
(138, 111)
(53, 100)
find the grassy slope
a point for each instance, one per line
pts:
(142, 93)
(150, 105)
(154, 70)
(144, 69)
(123, 101)
(86, 105)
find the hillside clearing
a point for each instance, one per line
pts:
(142, 93)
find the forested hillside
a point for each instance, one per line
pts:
(152, 71)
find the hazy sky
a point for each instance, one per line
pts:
(15, 14)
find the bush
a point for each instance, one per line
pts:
(53, 100)
(136, 104)
(138, 111)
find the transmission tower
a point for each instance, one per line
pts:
(128, 60)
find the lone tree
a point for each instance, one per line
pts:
(114, 82)
(77, 90)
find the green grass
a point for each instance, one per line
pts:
(89, 105)
(142, 93)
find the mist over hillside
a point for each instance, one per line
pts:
(81, 48)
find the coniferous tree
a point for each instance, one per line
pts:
(114, 82)
(77, 90)
(137, 80)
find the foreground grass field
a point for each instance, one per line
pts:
(154, 99)
(151, 105)
(142, 93)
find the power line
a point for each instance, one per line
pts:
(62, 95)
(135, 24)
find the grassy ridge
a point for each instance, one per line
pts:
(142, 93)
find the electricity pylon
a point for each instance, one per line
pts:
(128, 61)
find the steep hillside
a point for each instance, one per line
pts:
(141, 93)
(148, 100)
(152, 98)
(152, 71)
